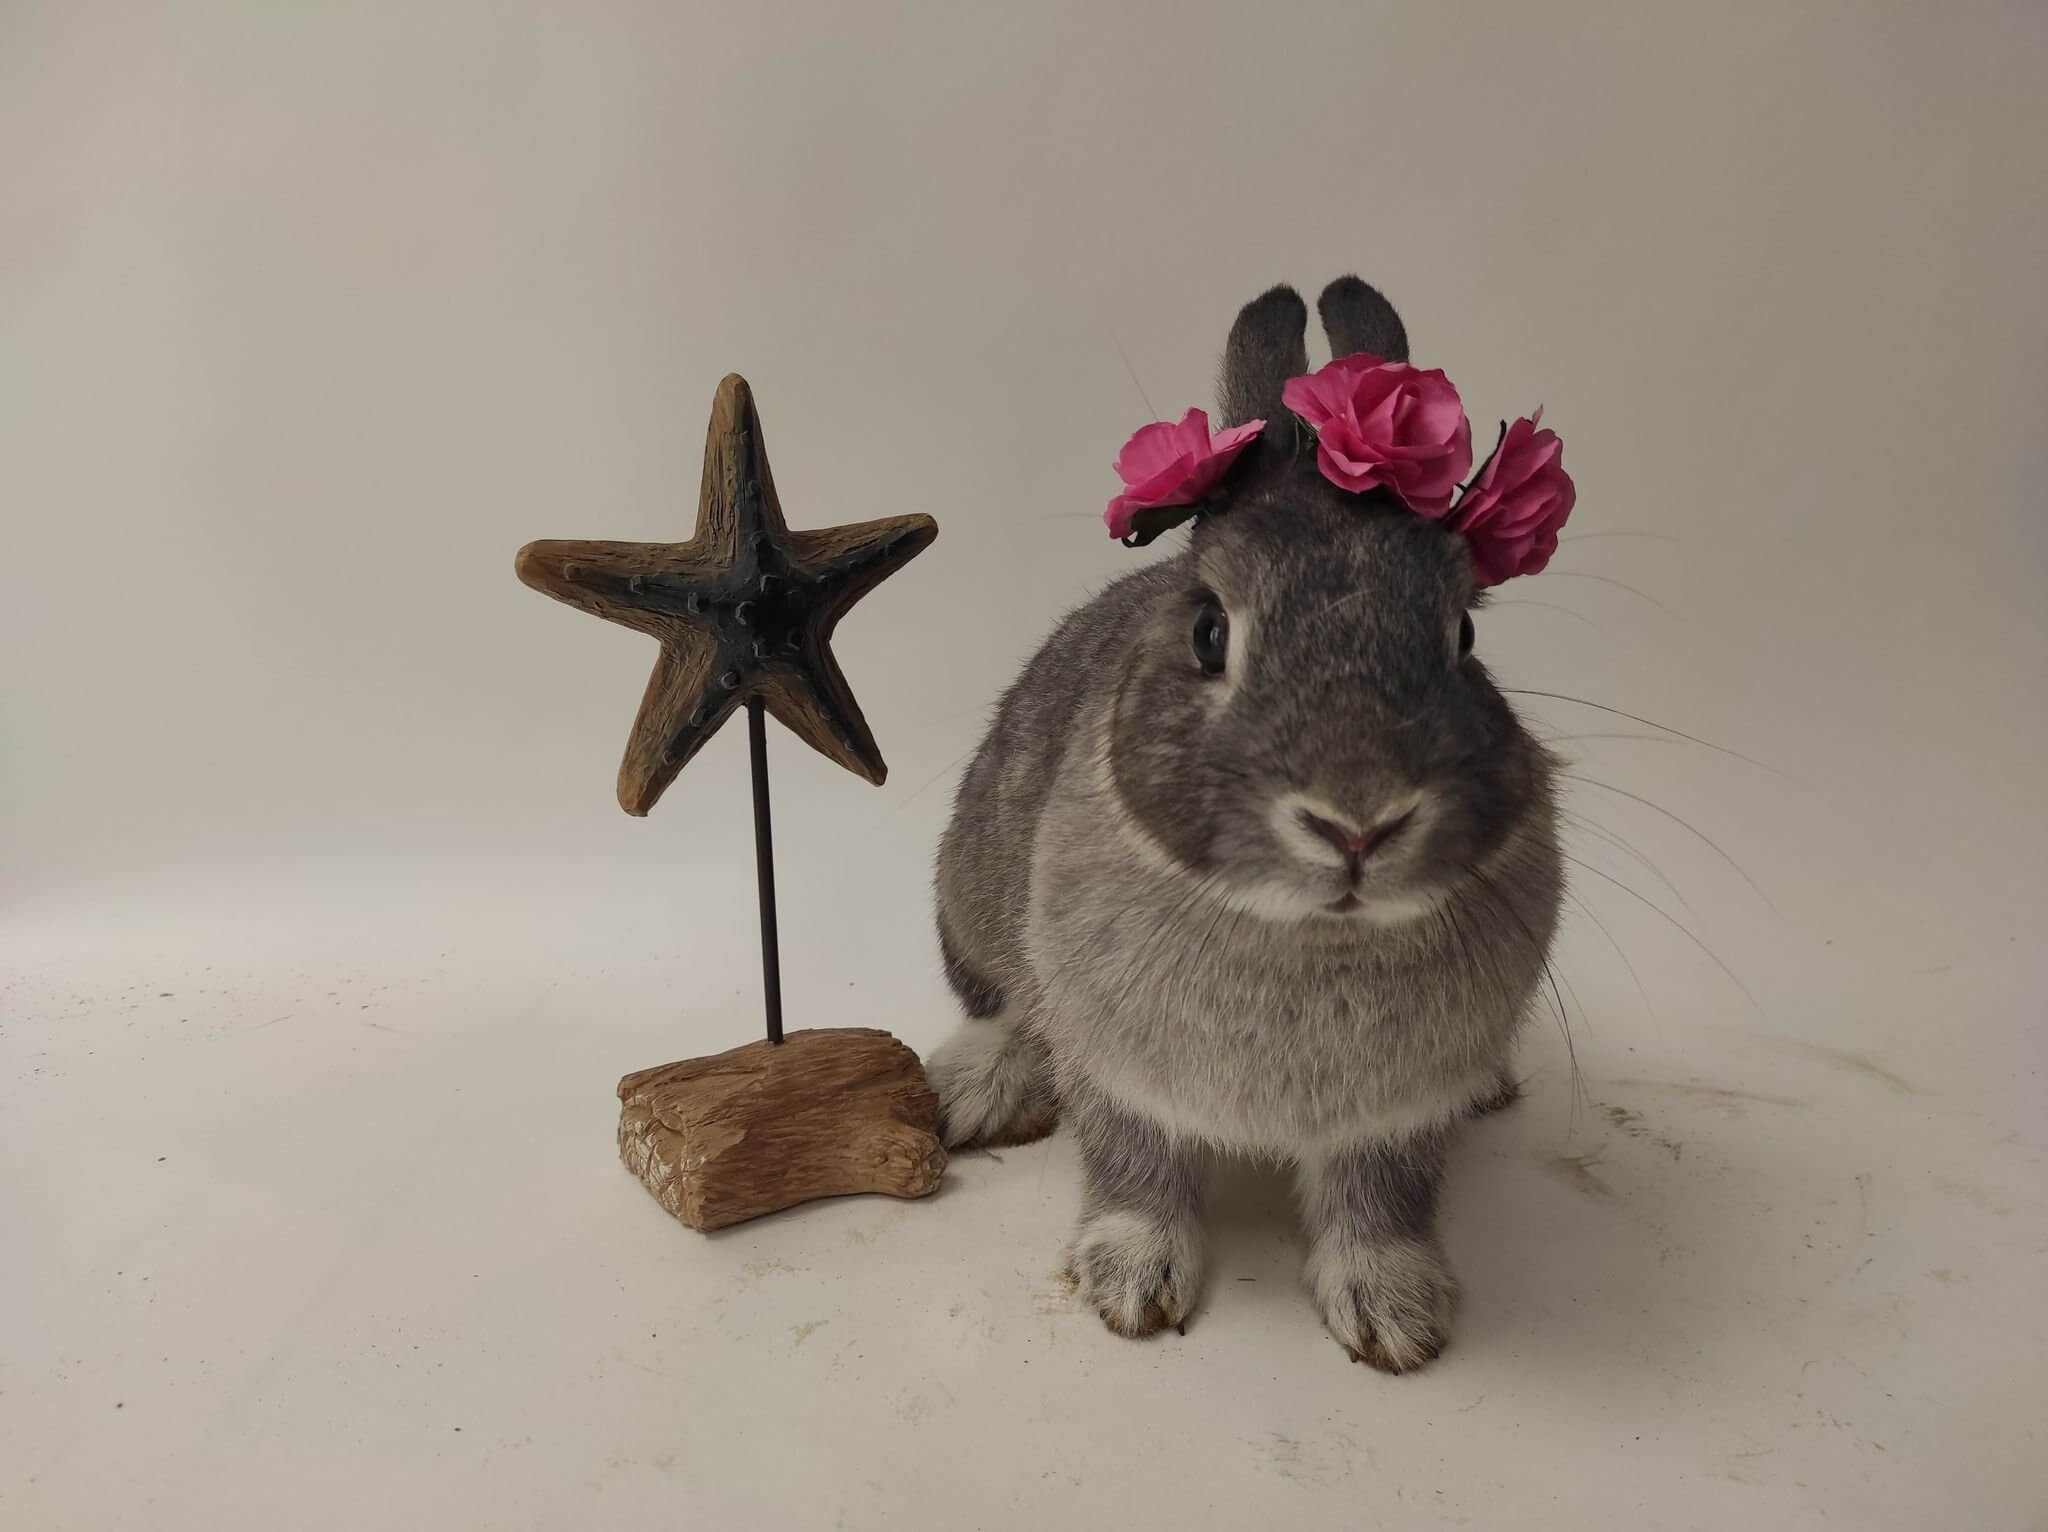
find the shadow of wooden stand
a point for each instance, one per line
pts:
(744, 613)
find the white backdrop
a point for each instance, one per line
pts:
(311, 315)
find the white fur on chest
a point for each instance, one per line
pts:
(1223, 1106)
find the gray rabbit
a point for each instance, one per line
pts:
(1256, 858)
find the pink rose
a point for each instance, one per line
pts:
(1168, 465)
(1511, 511)
(1386, 423)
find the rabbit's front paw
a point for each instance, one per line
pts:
(1389, 1304)
(1139, 1275)
(992, 1085)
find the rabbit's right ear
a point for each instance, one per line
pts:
(1267, 346)
(1357, 317)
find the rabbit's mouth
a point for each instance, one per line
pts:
(1346, 905)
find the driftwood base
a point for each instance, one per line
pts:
(762, 1127)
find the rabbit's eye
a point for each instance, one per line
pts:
(1211, 640)
(1465, 635)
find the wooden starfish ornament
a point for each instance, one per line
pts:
(744, 609)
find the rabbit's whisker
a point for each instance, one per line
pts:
(1587, 910)
(1653, 739)
(1524, 691)
(1640, 595)
(1685, 825)
(1675, 923)
(1629, 849)
(944, 771)
(1548, 606)
(1129, 371)
(1499, 901)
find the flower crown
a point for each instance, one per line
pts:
(1377, 425)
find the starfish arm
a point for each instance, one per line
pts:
(653, 588)
(737, 510)
(687, 699)
(815, 704)
(602, 578)
(848, 562)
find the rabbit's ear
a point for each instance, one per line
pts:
(1358, 318)
(1267, 346)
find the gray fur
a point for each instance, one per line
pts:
(1358, 318)
(1266, 347)
(1123, 877)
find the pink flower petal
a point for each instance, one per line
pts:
(1150, 451)
(1173, 464)
(1515, 505)
(1235, 437)
(1386, 423)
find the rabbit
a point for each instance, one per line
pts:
(1256, 859)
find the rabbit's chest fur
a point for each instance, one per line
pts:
(1252, 1034)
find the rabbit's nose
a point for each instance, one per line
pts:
(1354, 844)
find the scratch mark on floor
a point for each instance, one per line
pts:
(1728, 1099)
(1576, 1171)
(1634, 1126)
(1853, 1062)
(1289, 1459)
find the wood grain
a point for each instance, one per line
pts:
(828, 1113)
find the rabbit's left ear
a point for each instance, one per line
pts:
(1267, 346)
